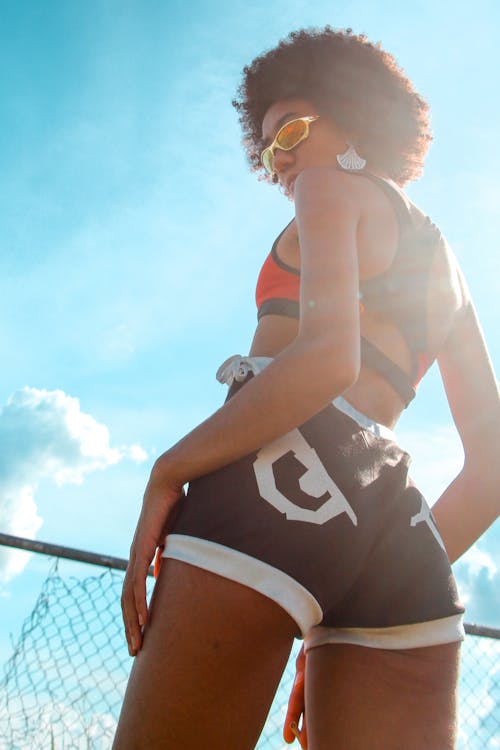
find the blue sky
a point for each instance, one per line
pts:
(132, 234)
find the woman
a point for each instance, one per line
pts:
(300, 519)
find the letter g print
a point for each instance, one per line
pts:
(315, 482)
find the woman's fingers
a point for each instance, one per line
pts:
(296, 705)
(134, 601)
(295, 709)
(300, 734)
(133, 631)
(300, 662)
(159, 501)
(141, 569)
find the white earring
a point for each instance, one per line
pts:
(351, 160)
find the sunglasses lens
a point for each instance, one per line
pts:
(267, 160)
(291, 134)
(287, 138)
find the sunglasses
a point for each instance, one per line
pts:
(288, 136)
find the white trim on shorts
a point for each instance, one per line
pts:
(417, 635)
(380, 430)
(300, 604)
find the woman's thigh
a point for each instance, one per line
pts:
(363, 698)
(212, 658)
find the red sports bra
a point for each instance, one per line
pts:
(400, 292)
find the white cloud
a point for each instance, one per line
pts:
(45, 435)
(135, 452)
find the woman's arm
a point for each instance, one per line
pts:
(472, 502)
(318, 365)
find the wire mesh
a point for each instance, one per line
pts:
(64, 683)
(63, 686)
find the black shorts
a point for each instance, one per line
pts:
(326, 522)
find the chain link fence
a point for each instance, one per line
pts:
(63, 686)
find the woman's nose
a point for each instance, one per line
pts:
(282, 159)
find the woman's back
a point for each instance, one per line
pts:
(409, 295)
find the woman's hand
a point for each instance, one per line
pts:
(160, 498)
(296, 705)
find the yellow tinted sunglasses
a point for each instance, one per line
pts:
(288, 136)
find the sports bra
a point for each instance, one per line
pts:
(400, 292)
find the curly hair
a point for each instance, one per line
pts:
(350, 80)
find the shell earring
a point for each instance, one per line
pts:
(274, 178)
(350, 159)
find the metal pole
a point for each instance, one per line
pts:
(483, 630)
(119, 563)
(57, 550)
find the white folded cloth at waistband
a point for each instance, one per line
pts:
(238, 367)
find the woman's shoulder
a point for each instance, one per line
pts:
(326, 184)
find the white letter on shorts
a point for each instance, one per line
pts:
(424, 516)
(316, 481)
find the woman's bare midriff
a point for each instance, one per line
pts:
(371, 394)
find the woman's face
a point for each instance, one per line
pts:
(319, 149)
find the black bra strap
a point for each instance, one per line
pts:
(396, 196)
(374, 358)
(371, 355)
(279, 306)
